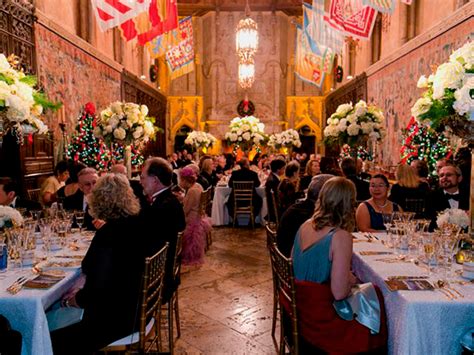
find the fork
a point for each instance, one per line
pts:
(14, 284)
(17, 285)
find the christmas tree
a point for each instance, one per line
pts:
(118, 155)
(422, 143)
(85, 147)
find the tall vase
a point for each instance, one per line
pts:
(127, 160)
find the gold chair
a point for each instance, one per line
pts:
(282, 268)
(210, 196)
(243, 200)
(416, 205)
(150, 309)
(172, 307)
(203, 212)
(275, 207)
(33, 194)
(271, 241)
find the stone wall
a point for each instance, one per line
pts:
(391, 83)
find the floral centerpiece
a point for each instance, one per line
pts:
(448, 99)
(452, 216)
(200, 139)
(355, 125)
(286, 139)
(21, 105)
(9, 217)
(246, 133)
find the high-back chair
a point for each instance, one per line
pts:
(282, 268)
(204, 208)
(144, 340)
(416, 205)
(33, 194)
(271, 241)
(275, 207)
(243, 200)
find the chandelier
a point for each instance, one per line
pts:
(246, 45)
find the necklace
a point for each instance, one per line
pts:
(381, 206)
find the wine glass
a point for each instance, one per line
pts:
(79, 219)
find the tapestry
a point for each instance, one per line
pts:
(112, 13)
(308, 65)
(352, 18)
(161, 44)
(384, 6)
(180, 58)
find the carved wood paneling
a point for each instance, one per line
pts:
(135, 90)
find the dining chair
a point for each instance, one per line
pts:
(147, 338)
(271, 240)
(33, 194)
(243, 200)
(203, 212)
(416, 205)
(282, 268)
(210, 197)
(275, 207)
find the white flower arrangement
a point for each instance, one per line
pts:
(9, 217)
(21, 105)
(245, 132)
(353, 124)
(286, 139)
(453, 216)
(125, 123)
(200, 139)
(448, 91)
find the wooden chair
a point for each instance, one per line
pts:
(243, 200)
(275, 207)
(150, 309)
(33, 194)
(203, 211)
(210, 196)
(282, 268)
(172, 307)
(271, 241)
(416, 205)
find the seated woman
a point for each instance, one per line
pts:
(322, 256)
(112, 267)
(369, 214)
(312, 169)
(288, 189)
(194, 238)
(72, 184)
(53, 183)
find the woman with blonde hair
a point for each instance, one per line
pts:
(409, 187)
(312, 169)
(112, 268)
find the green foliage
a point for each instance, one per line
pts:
(41, 99)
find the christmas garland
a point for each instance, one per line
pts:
(245, 108)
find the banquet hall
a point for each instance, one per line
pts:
(236, 177)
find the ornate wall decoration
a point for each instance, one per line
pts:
(306, 111)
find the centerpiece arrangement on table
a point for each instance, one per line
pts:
(285, 140)
(200, 140)
(246, 133)
(355, 126)
(9, 217)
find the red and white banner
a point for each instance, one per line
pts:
(112, 13)
(352, 18)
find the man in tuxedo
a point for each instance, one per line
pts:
(164, 215)
(174, 161)
(349, 169)
(9, 197)
(86, 179)
(277, 167)
(245, 174)
(449, 195)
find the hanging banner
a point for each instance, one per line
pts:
(180, 58)
(352, 18)
(161, 44)
(112, 13)
(308, 65)
(384, 6)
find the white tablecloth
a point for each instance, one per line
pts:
(26, 309)
(419, 322)
(220, 215)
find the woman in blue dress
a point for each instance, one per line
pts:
(369, 214)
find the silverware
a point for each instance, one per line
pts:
(15, 287)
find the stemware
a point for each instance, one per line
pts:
(79, 215)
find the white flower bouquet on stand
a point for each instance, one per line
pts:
(286, 139)
(355, 125)
(246, 133)
(200, 140)
(448, 98)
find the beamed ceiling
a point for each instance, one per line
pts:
(201, 7)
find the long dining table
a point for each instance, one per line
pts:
(26, 310)
(421, 321)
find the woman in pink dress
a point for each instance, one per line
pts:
(197, 226)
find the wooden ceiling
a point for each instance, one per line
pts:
(201, 7)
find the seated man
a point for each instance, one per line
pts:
(277, 167)
(9, 196)
(245, 174)
(349, 169)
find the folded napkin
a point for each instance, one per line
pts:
(363, 305)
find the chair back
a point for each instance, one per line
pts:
(416, 205)
(243, 193)
(271, 229)
(282, 268)
(33, 194)
(177, 256)
(204, 202)
(275, 206)
(152, 284)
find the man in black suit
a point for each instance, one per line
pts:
(245, 174)
(449, 195)
(349, 169)
(9, 197)
(277, 167)
(164, 215)
(86, 179)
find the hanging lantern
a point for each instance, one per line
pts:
(246, 75)
(246, 39)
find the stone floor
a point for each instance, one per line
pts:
(226, 305)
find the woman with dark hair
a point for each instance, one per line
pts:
(369, 214)
(288, 189)
(72, 184)
(329, 165)
(53, 183)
